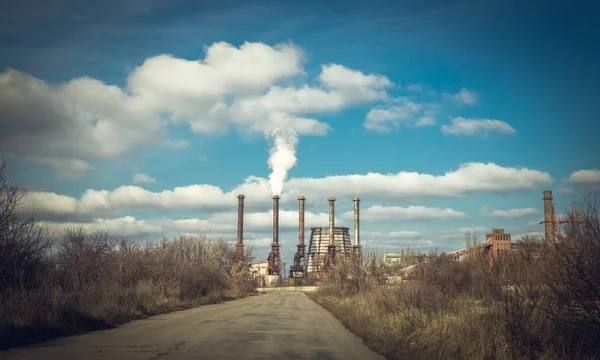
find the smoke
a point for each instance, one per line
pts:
(282, 156)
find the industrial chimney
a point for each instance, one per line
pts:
(548, 218)
(297, 270)
(274, 260)
(331, 221)
(331, 248)
(301, 200)
(275, 220)
(356, 246)
(239, 246)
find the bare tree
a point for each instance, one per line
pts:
(23, 243)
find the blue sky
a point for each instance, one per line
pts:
(505, 89)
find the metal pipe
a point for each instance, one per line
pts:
(301, 200)
(240, 226)
(331, 221)
(356, 222)
(275, 220)
(548, 218)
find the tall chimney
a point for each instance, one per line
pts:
(301, 200)
(331, 221)
(548, 218)
(239, 247)
(330, 259)
(297, 271)
(274, 260)
(356, 226)
(276, 220)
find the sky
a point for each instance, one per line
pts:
(147, 118)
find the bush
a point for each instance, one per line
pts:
(94, 280)
(536, 303)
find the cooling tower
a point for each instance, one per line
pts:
(319, 243)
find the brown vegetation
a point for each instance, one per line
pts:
(535, 303)
(66, 283)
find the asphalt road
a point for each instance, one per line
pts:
(280, 325)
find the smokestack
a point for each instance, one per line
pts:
(548, 218)
(301, 200)
(356, 223)
(331, 221)
(275, 220)
(240, 226)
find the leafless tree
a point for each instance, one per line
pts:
(23, 243)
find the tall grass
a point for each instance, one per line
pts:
(53, 285)
(536, 303)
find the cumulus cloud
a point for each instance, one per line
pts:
(394, 240)
(589, 179)
(508, 214)
(476, 127)
(468, 179)
(143, 179)
(464, 96)
(398, 112)
(378, 213)
(219, 225)
(86, 120)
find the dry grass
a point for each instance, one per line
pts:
(78, 281)
(533, 304)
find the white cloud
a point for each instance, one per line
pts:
(394, 240)
(479, 231)
(143, 179)
(470, 178)
(378, 213)
(398, 112)
(464, 96)
(86, 120)
(425, 121)
(221, 224)
(202, 158)
(336, 76)
(508, 214)
(475, 127)
(589, 179)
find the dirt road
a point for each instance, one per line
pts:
(282, 325)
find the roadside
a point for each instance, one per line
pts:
(74, 323)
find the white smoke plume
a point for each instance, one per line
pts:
(282, 156)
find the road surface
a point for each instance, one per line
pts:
(278, 325)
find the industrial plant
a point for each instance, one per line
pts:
(326, 244)
(331, 242)
(499, 243)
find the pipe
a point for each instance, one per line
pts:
(240, 226)
(331, 221)
(276, 220)
(548, 218)
(301, 200)
(356, 222)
